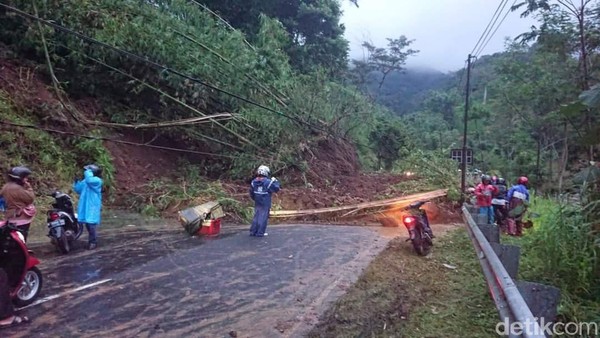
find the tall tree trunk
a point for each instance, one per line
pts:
(584, 69)
(538, 170)
(564, 159)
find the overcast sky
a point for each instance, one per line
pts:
(445, 31)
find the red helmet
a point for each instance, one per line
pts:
(523, 180)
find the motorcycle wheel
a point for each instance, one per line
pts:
(63, 244)
(30, 288)
(79, 230)
(421, 244)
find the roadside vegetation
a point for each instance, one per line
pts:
(403, 295)
(562, 249)
(280, 77)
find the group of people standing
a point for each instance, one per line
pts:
(503, 206)
(17, 201)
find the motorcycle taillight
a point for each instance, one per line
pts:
(409, 221)
(54, 216)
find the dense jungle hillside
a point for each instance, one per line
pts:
(175, 74)
(179, 101)
(222, 92)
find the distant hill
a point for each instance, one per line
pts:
(403, 92)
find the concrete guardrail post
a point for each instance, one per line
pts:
(490, 231)
(509, 256)
(541, 299)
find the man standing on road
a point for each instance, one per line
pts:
(261, 189)
(90, 201)
(484, 192)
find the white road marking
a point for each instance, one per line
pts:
(45, 299)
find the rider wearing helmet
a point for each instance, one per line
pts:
(18, 198)
(518, 201)
(90, 201)
(484, 192)
(499, 203)
(261, 188)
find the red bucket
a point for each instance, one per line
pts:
(210, 227)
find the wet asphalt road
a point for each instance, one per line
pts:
(167, 284)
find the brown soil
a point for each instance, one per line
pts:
(137, 166)
(334, 177)
(27, 88)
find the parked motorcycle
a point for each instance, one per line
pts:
(25, 279)
(63, 226)
(417, 223)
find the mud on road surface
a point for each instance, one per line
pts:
(166, 284)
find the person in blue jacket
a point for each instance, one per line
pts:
(518, 201)
(90, 201)
(261, 189)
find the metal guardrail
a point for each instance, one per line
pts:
(504, 292)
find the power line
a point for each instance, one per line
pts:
(483, 36)
(495, 30)
(494, 19)
(99, 138)
(153, 63)
(488, 36)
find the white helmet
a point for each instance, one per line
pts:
(263, 170)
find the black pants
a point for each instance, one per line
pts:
(6, 305)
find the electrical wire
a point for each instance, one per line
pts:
(153, 63)
(494, 19)
(505, 2)
(56, 131)
(495, 30)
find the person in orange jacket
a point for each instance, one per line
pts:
(484, 192)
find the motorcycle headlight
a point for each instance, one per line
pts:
(21, 237)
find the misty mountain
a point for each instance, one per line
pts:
(404, 92)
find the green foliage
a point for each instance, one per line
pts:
(93, 151)
(316, 36)
(190, 189)
(381, 62)
(562, 250)
(434, 170)
(388, 139)
(185, 37)
(42, 152)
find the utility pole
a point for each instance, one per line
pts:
(463, 169)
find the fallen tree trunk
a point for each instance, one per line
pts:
(392, 204)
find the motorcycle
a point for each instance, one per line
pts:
(25, 279)
(63, 226)
(416, 223)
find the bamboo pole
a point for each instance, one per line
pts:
(182, 122)
(176, 100)
(404, 200)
